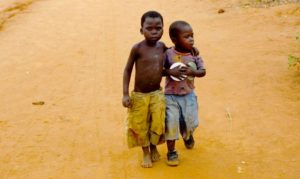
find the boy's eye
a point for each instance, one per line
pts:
(188, 36)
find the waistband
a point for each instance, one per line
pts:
(159, 91)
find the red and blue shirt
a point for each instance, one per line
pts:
(185, 86)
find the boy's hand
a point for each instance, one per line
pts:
(188, 71)
(176, 72)
(195, 51)
(126, 101)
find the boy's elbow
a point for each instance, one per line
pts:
(164, 72)
(203, 73)
(126, 71)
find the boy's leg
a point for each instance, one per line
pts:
(172, 153)
(190, 117)
(172, 129)
(147, 163)
(189, 143)
(171, 145)
(155, 156)
(157, 122)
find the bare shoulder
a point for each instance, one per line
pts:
(136, 50)
(161, 44)
(136, 46)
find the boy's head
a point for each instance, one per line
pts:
(151, 14)
(152, 26)
(181, 34)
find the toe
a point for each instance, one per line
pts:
(146, 165)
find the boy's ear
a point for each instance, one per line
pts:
(174, 40)
(141, 30)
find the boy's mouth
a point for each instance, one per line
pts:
(154, 38)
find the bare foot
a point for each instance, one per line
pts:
(155, 156)
(147, 163)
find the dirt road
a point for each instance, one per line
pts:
(70, 54)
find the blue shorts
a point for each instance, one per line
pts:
(181, 116)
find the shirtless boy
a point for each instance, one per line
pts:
(146, 103)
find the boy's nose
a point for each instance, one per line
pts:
(191, 39)
(154, 32)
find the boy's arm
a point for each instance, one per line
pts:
(199, 72)
(165, 47)
(126, 77)
(164, 72)
(195, 51)
(191, 72)
(176, 72)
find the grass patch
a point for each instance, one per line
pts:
(294, 61)
(266, 3)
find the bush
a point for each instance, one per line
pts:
(294, 61)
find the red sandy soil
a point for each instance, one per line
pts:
(70, 54)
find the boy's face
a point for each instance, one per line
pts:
(185, 38)
(152, 29)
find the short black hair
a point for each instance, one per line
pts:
(152, 14)
(175, 28)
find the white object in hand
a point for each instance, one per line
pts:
(174, 65)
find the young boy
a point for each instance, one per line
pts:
(181, 101)
(146, 104)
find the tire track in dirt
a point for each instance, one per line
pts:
(9, 11)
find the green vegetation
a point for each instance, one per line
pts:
(294, 61)
(266, 3)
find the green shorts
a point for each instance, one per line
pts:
(146, 119)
